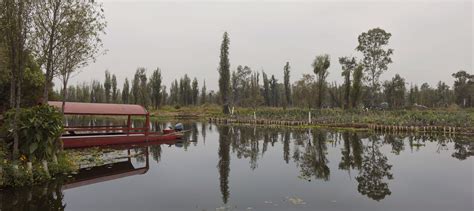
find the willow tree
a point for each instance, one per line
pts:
(80, 39)
(373, 46)
(224, 73)
(320, 67)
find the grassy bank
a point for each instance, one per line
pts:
(453, 117)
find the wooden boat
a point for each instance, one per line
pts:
(87, 136)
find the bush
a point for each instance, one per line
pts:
(39, 129)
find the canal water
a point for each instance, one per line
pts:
(219, 167)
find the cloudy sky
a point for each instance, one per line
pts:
(431, 39)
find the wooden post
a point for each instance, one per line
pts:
(309, 117)
(129, 124)
(147, 124)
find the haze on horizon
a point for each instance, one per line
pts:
(431, 40)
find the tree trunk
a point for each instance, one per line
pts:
(49, 59)
(64, 98)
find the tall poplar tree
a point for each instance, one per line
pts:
(195, 92)
(320, 66)
(203, 93)
(286, 80)
(107, 86)
(155, 85)
(357, 85)
(224, 73)
(126, 92)
(115, 91)
(348, 65)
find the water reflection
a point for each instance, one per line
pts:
(351, 152)
(224, 161)
(315, 155)
(313, 162)
(374, 171)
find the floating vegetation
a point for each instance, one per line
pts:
(295, 200)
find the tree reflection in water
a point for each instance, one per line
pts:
(45, 197)
(375, 169)
(286, 146)
(463, 148)
(313, 162)
(351, 151)
(224, 161)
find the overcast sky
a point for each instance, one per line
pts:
(431, 39)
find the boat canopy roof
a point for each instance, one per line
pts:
(74, 108)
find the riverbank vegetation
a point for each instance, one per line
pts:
(40, 40)
(39, 152)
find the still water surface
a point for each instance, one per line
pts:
(222, 167)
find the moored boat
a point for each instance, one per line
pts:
(88, 136)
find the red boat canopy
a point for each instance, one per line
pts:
(74, 108)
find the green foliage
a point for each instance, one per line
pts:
(203, 93)
(126, 92)
(65, 165)
(155, 88)
(464, 88)
(108, 86)
(395, 91)
(115, 91)
(39, 129)
(266, 89)
(195, 92)
(356, 90)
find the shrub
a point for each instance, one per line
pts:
(39, 129)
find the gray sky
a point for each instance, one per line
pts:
(431, 39)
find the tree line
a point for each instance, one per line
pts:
(142, 89)
(245, 87)
(361, 87)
